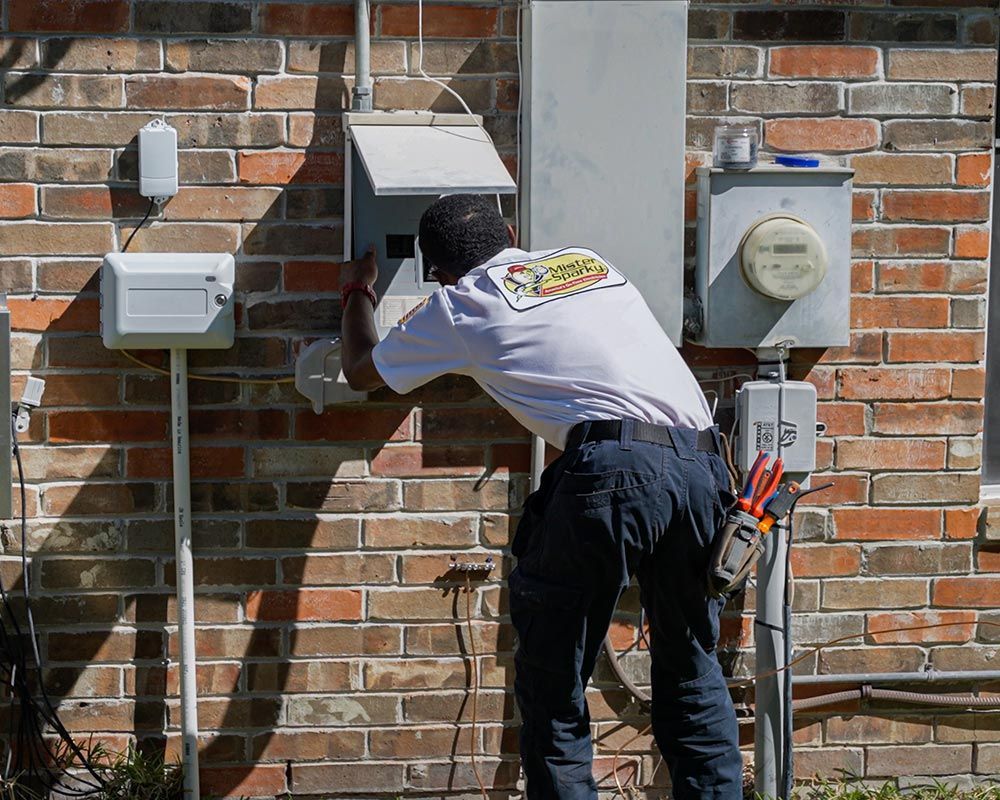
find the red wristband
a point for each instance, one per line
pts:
(357, 286)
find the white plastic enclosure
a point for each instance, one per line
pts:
(168, 300)
(157, 160)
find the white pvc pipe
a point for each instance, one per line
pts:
(180, 445)
(361, 95)
(537, 461)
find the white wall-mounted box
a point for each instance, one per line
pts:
(168, 300)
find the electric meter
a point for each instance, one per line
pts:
(783, 257)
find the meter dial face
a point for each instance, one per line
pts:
(783, 258)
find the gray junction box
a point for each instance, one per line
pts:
(757, 409)
(783, 230)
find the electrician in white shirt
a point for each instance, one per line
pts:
(566, 344)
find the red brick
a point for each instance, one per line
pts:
(238, 423)
(354, 424)
(54, 316)
(80, 390)
(846, 489)
(968, 383)
(311, 19)
(290, 166)
(469, 423)
(899, 241)
(440, 21)
(821, 61)
(955, 346)
(862, 276)
(972, 242)
(960, 627)
(107, 426)
(85, 16)
(878, 524)
(842, 419)
(821, 135)
(929, 419)
(826, 560)
(311, 276)
(863, 206)
(17, 200)
(973, 169)
(968, 592)
(215, 92)
(899, 312)
(961, 523)
(92, 202)
(244, 781)
(314, 605)
(931, 276)
(926, 205)
(416, 460)
(891, 454)
(206, 462)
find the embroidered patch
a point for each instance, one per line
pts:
(527, 284)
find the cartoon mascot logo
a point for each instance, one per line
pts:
(525, 281)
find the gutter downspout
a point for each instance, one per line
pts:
(361, 94)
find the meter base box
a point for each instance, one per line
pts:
(168, 300)
(730, 204)
(757, 404)
(398, 163)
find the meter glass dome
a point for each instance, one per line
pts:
(783, 257)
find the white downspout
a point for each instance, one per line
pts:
(180, 445)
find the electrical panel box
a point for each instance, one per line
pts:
(758, 404)
(604, 94)
(168, 300)
(157, 160)
(397, 164)
(773, 257)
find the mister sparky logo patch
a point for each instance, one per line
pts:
(528, 284)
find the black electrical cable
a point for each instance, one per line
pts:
(135, 230)
(34, 763)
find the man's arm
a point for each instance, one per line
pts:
(357, 326)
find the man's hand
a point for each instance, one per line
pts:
(363, 270)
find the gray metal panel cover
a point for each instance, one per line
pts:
(604, 129)
(430, 159)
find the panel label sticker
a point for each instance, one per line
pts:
(527, 284)
(393, 309)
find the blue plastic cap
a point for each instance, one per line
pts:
(796, 161)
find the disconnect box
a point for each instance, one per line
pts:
(168, 300)
(398, 163)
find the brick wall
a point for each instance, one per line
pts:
(332, 655)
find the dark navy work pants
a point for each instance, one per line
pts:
(607, 510)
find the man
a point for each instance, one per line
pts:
(567, 345)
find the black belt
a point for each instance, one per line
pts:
(603, 429)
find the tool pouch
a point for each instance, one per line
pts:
(736, 548)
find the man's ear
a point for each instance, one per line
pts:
(512, 236)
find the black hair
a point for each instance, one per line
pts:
(461, 231)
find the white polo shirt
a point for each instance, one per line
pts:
(556, 337)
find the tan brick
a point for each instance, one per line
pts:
(928, 759)
(343, 709)
(100, 55)
(344, 496)
(899, 100)
(455, 495)
(897, 658)
(466, 58)
(55, 165)
(228, 130)
(933, 276)
(900, 241)
(399, 604)
(864, 729)
(393, 93)
(956, 65)
(859, 383)
(940, 135)
(347, 778)
(956, 487)
(978, 101)
(308, 745)
(301, 92)
(18, 127)
(415, 673)
(891, 454)
(728, 61)
(18, 53)
(92, 127)
(313, 460)
(315, 534)
(413, 744)
(183, 237)
(845, 594)
(921, 559)
(901, 169)
(300, 676)
(968, 728)
(346, 640)
(50, 238)
(66, 91)
(88, 573)
(338, 57)
(785, 98)
(224, 55)
(988, 759)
